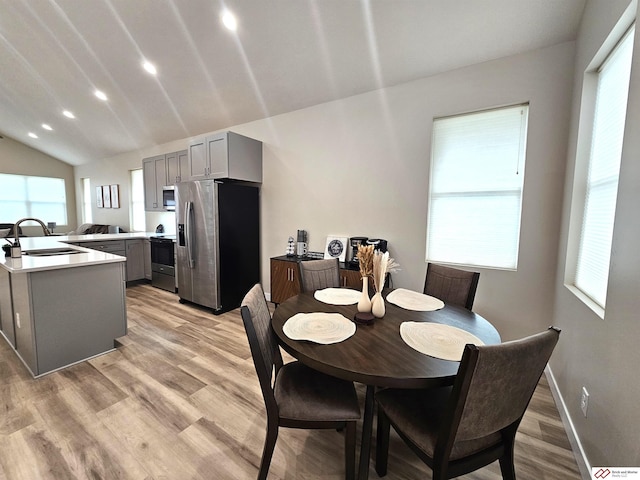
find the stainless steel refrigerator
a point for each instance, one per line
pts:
(218, 242)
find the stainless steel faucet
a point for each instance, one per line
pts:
(16, 236)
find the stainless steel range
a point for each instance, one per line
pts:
(163, 267)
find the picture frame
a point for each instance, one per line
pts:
(336, 247)
(99, 203)
(115, 196)
(106, 196)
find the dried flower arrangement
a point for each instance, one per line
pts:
(365, 260)
(382, 264)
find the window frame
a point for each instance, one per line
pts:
(489, 190)
(31, 203)
(136, 199)
(585, 139)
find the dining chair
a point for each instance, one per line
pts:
(459, 429)
(451, 285)
(317, 274)
(295, 395)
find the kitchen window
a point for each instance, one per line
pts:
(36, 197)
(138, 222)
(475, 193)
(87, 213)
(600, 140)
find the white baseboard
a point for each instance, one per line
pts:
(574, 440)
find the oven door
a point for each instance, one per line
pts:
(163, 268)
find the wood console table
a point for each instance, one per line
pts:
(285, 282)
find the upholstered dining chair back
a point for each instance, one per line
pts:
(295, 395)
(317, 274)
(460, 429)
(451, 285)
(262, 342)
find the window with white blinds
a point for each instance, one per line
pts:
(475, 194)
(24, 196)
(594, 251)
(136, 207)
(87, 214)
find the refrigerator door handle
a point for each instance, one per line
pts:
(188, 216)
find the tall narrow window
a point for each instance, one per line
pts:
(87, 214)
(475, 194)
(138, 223)
(594, 251)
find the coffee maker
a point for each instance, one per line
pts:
(301, 247)
(378, 244)
(355, 243)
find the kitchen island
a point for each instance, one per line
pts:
(61, 304)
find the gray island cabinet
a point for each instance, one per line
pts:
(55, 312)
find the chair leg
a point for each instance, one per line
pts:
(507, 466)
(267, 452)
(382, 443)
(350, 451)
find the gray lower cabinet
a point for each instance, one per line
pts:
(67, 315)
(133, 250)
(117, 247)
(6, 308)
(135, 259)
(147, 259)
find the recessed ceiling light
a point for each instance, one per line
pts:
(33, 135)
(100, 94)
(229, 20)
(149, 67)
(68, 114)
(46, 127)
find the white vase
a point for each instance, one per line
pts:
(377, 305)
(364, 304)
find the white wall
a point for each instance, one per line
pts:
(115, 170)
(603, 355)
(360, 166)
(19, 159)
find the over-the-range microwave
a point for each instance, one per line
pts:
(169, 198)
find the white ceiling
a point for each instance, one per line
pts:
(285, 55)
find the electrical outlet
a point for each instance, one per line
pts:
(584, 401)
(18, 320)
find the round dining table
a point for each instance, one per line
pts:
(376, 355)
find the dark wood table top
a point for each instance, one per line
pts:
(376, 354)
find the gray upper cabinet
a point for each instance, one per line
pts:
(226, 155)
(177, 166)
(159, 171)
(154, 173)
(198, 166)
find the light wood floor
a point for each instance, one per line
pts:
(179, 399)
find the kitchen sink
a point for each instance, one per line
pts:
(49, 252)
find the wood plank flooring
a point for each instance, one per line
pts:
(179, 399)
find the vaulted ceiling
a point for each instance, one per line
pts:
(285, 55)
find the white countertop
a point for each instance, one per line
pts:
(88, 257)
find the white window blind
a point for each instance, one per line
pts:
(594, 251)
(24, 196)
(138, 222)
(475, 195)
(87, 216)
